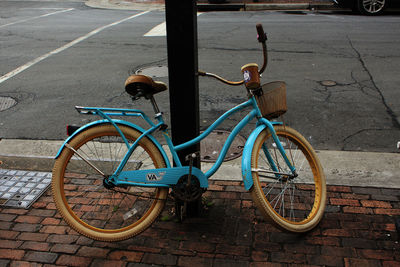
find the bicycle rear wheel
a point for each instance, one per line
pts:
(98, 212)
(295, 204)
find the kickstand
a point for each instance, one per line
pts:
(180, 210)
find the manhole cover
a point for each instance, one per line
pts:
(154, 71)
(7, 102)
(211, 146)
(22, 188)
(328, 83)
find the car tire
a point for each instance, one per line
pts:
(371, 7)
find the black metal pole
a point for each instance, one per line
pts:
(181, 18)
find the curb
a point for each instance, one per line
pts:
(347, 168)
(143, 5)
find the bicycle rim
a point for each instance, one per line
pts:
(83, 200)
(295, 204)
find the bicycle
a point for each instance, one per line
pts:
(111, 178)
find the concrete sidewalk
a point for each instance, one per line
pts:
(207, 6)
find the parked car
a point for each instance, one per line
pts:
(366, 7)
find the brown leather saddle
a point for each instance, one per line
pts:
(142, 85)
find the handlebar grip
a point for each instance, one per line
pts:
(262, 37)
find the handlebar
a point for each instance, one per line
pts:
(262, 38)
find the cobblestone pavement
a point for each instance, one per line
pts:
(358, 229)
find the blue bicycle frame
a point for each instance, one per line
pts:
(169, 176)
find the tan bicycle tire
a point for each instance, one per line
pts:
(267, 209)
(64, 207)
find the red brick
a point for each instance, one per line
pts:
(161, 259)
(51, 206)
(227, 195)
(338, 251)
(26, 227)
(108, 263)
(247, 204)
(39, 205)
(391, 264)
(323, 241)
(233, 250)
(38, 246)
(51, 221)
(28, 219)
(266, 264)
(358, 210)
(389, 212)
(227, 183)
(287, 257)
(338, 188)
(93, 252)
(33, 236)
(6, 234)
(10, 244)
(65, 248)
(375, 204)
(337, 232)
(126, 255)
(197, 246)
(301, 249)
(42, 257)
(259, 256)
(355, 225)
(375, 254)
(144, 249)
(354, 196)
(352, 262)
(15, 211)
(7, 217)
(55, 229)
(24, 264)
(12, 254)
(194, 261)
(324, 260)
(344, 202)
(42, 213)
(73, 260)
(63, 239)
(213, 187)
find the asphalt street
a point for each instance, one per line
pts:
(341, 69)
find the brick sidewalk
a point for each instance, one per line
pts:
(358, 229)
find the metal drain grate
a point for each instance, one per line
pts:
(22, 188)
(7, 102)
(154, 71)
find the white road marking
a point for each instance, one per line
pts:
(41, 16)
(64, 47)
(160, 29)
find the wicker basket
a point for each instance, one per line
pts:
(271, 99)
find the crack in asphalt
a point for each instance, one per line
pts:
(379, 96)
(389, 111)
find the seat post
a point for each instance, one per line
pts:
(154, 104)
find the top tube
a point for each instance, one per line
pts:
(214, 125)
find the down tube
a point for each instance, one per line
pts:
(229, 141)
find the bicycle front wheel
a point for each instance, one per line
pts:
(294, 203)
(88, 205)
